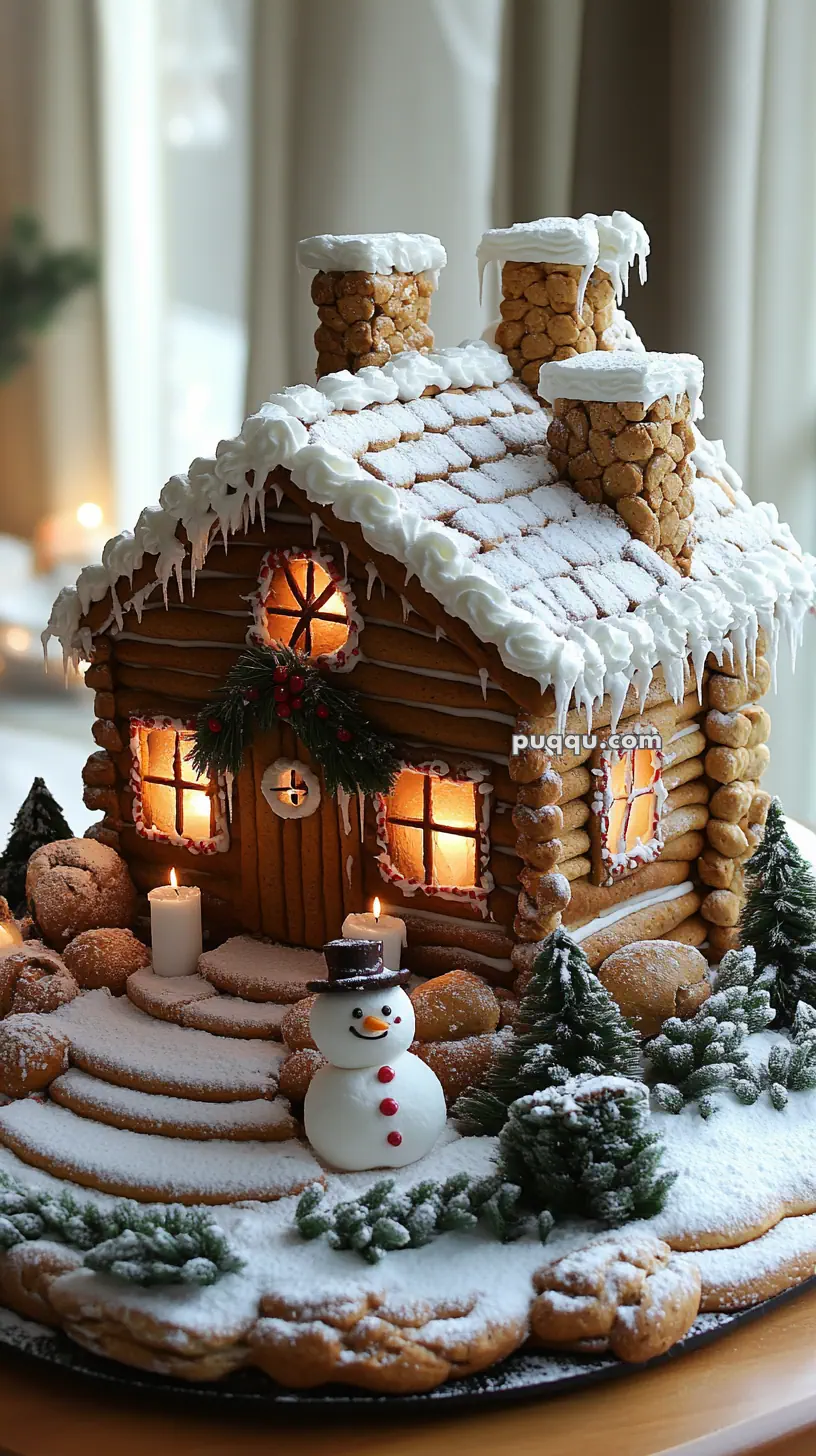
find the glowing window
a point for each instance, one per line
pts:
(630, 796)
(432, 830)
(305, 603)
(305, 610)
(172, 802)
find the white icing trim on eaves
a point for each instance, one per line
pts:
(771, 588)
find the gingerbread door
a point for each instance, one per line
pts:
(292, 855)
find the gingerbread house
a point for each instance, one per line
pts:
(545, 585)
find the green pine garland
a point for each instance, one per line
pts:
(271, 686)
(779, 917)
(583, 1150)
(693, 1060)
(148, 1246)
(380, 1220)
(572, 1025)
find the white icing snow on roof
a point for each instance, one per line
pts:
(624, 375)
(621, 239)
(372, 252)
(476, 513)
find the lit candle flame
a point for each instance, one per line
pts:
(376, 908)
(174, 880)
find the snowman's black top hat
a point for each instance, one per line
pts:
(357, 965)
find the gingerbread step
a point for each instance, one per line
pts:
(174, 1117)
(113, 1040)
(165, 996)
(260, 970)
(192, 1001)
(150, 1168)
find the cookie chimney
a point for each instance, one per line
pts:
(622, 434)
(373, 295)
(562, 283)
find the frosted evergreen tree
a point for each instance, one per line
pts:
(585, 1150)
(38, 821)
(779, 918)
(571, 1025)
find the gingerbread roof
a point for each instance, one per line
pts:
(456, 484)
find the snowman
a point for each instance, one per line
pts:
(375, 1105)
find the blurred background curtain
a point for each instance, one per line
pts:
(196, 140)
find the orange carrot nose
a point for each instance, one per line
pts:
(373, 1023)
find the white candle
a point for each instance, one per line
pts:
(365, 925)
(175, 928)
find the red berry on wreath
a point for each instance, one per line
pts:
(284, 710)
(344, 736)
(322, 711)
(297, 704)
(297, 683)
(253, 694)
(281, 693)
(281, 674)
(215, 725)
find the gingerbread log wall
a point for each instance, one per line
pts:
(736, 730)
(413, 682)
(553, 821)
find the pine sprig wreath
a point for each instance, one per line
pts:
(572, 1025)
(275, 685)
(172, 1245)
(381, 1221)
(584, 1150)
(779, 917)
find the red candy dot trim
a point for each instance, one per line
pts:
(386, 1074)
(394, 1138)
(388, 1107)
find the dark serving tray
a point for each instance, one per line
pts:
(523, 1376)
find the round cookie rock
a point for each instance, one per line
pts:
(34, 978)
(454, 1006)
(652, 980)
(297, 1072)
(295, 1028)
(32, 1054)
(78, 884)
(460, 1065)
(105, 957)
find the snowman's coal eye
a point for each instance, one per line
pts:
(357, 1012)
(386, 1010)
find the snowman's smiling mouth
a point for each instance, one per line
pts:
(375, 1036)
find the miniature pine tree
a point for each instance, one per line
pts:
(791, 1066)
(38, 821)
(697, 1058)
(572, 1025)
(779, 918)
(35, 281)
(584, 1150)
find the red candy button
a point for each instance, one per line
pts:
(395, 1138)
(388, 1107)
(386, 1074)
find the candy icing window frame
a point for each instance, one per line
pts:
(343, 658)
(218, 842)
(437, 769)
(611, 864)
